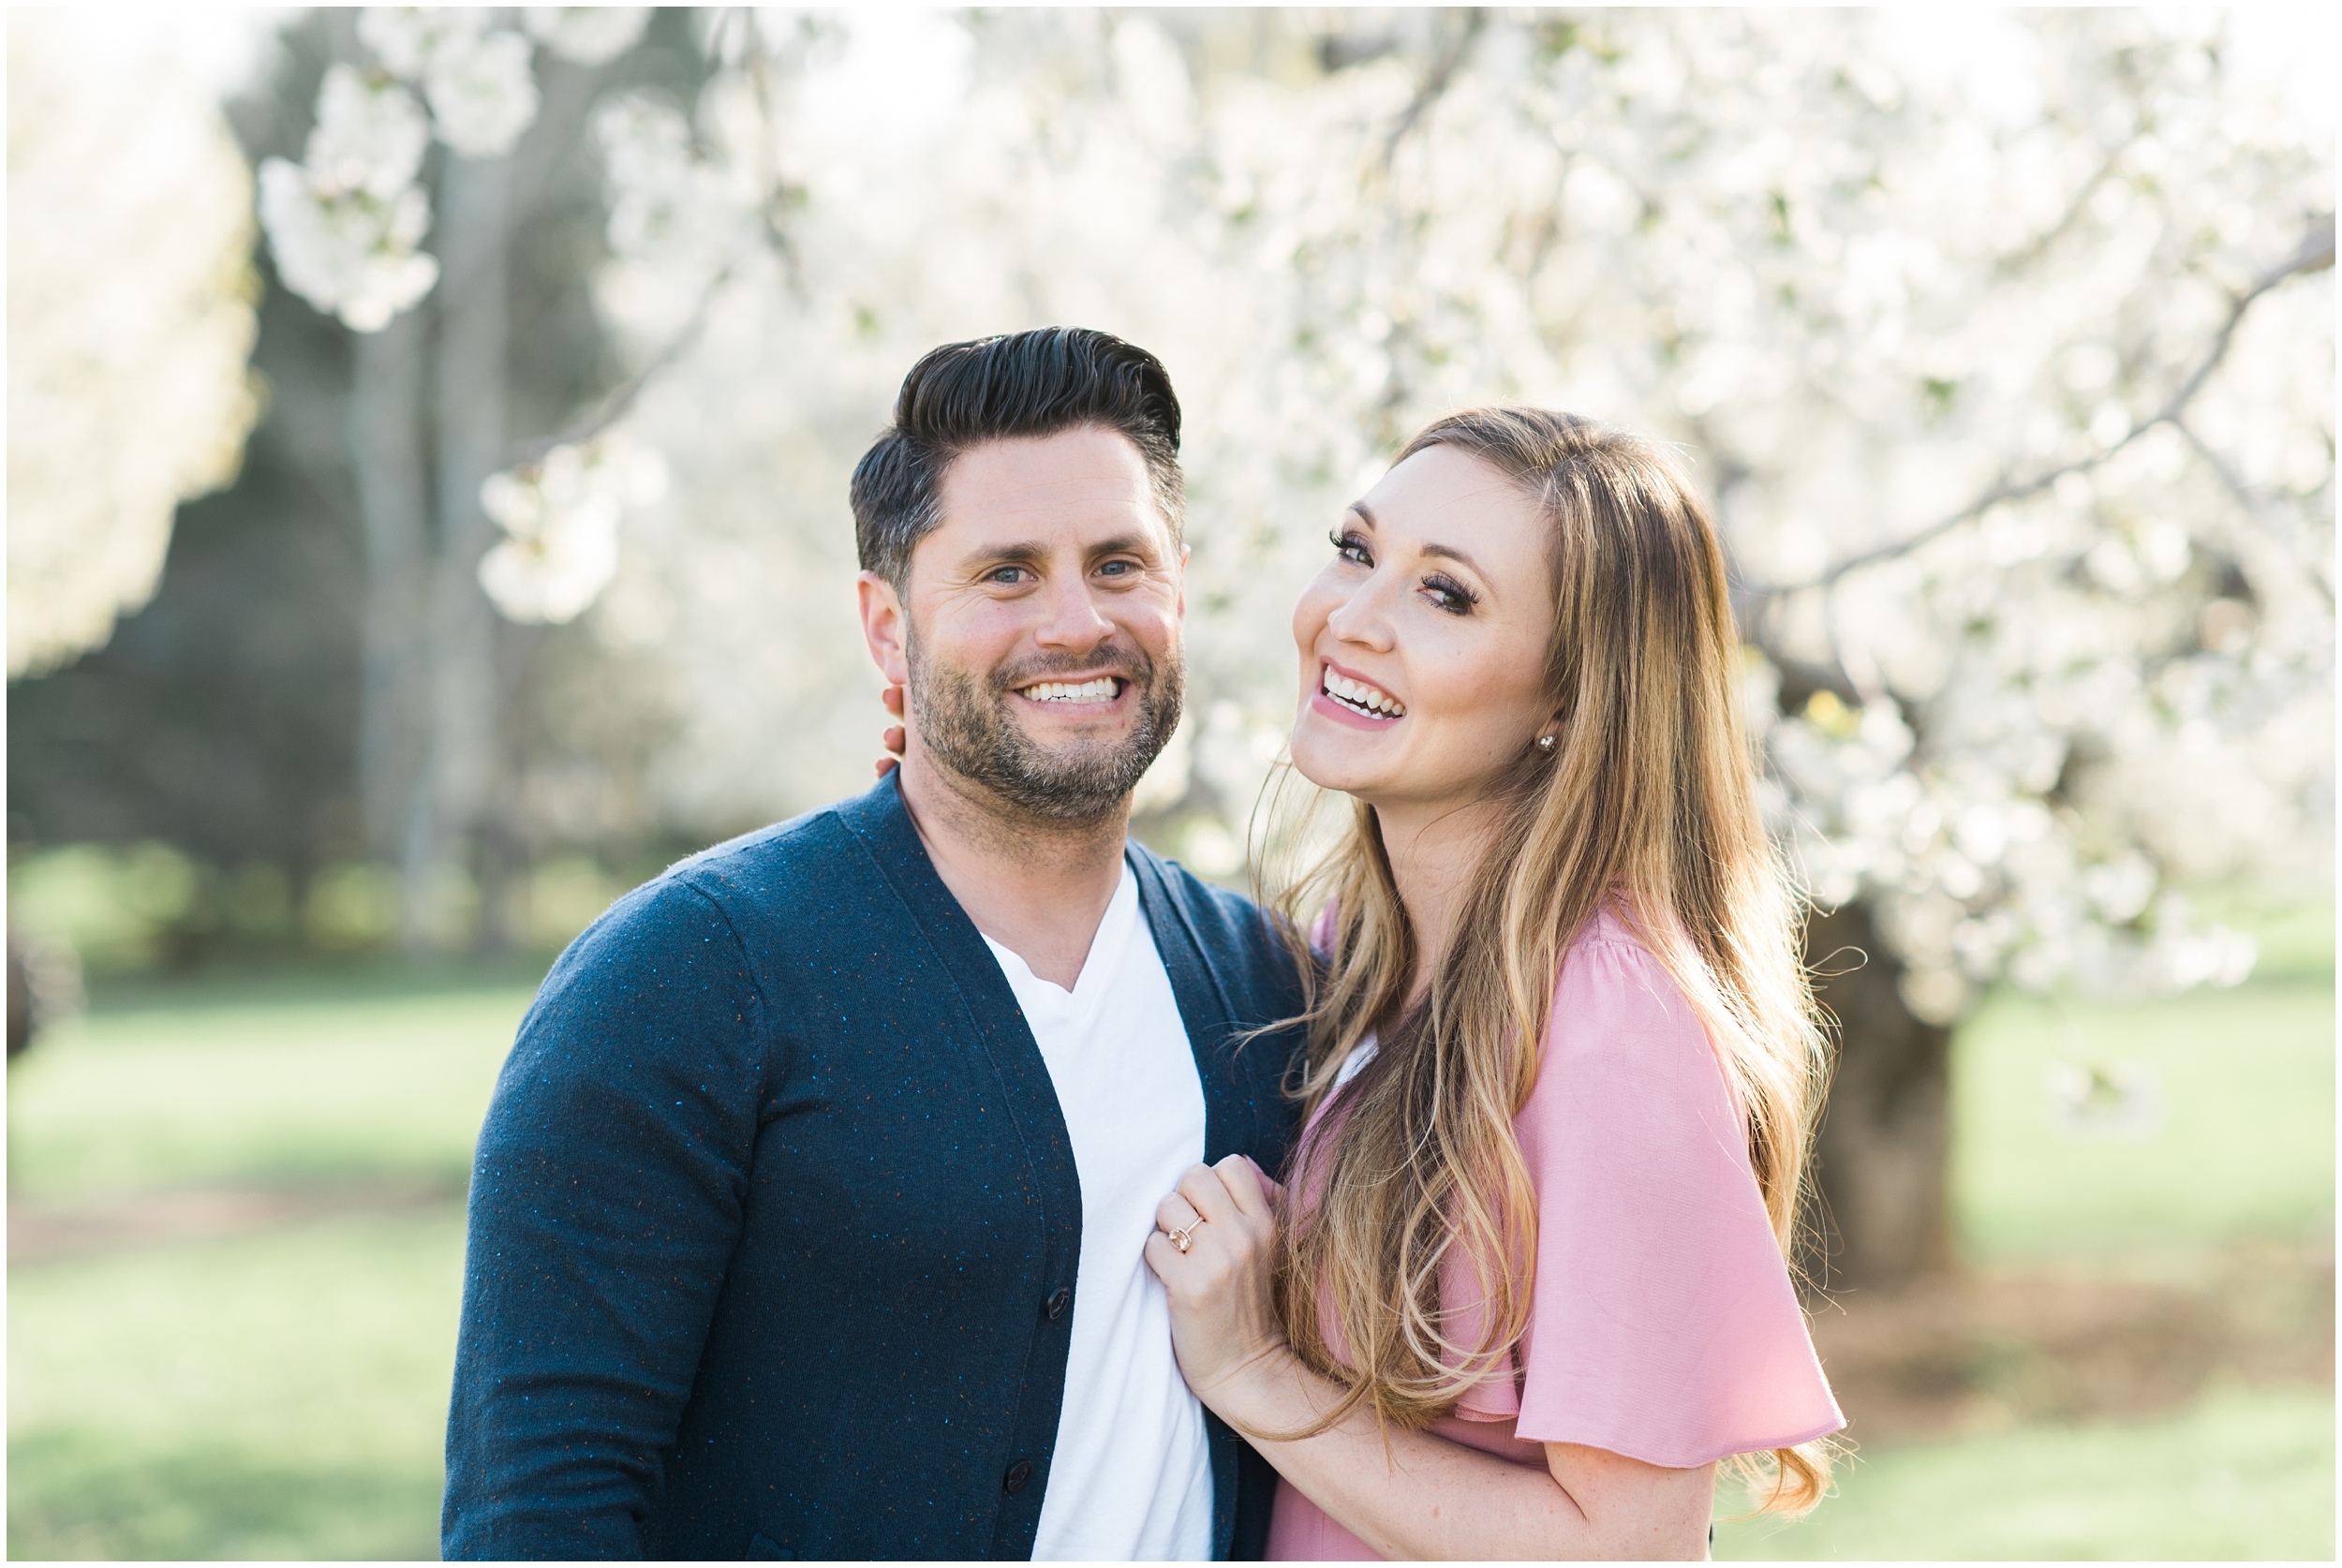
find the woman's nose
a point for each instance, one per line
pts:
(1363, 618)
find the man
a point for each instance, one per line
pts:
(807, 1218)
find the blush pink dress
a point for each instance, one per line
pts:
(1662, 1324)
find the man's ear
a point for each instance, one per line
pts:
(1185, 551)
(885, 626)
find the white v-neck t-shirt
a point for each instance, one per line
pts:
(1131, 1476)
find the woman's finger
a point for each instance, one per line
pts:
(891, 739)
(1175, 1213)
(1242, 1180)
(1202, 1187)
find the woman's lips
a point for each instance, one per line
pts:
(1349, 718)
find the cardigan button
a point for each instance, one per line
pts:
(1059, 1300)
(1019, 1474)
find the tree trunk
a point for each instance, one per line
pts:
(1881, 1159)
(460, 772)
(386, 447)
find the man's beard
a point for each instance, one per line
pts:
(968, 729)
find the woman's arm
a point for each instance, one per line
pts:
(1404, 1494)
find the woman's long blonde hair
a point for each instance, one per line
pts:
(1648, 795)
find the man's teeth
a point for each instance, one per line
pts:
(1365, 697)
(1100, 691)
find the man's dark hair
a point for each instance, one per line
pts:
(1020, 385)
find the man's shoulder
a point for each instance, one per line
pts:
(809, 854)
(1224, 920)
(754, 859)
(797, 867)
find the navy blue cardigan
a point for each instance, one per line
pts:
(774, 1216)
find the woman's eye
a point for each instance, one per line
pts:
(1350, 547)
(1449, 595)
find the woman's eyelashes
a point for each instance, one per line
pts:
(1441, 591)
(1448, 594)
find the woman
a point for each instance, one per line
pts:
(1525, 1286)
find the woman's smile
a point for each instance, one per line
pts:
(1426, 632)
(1349, 697)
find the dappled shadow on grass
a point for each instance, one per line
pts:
(41, 1231)
(80, 1493)
(2118, 1337)
(306, 982)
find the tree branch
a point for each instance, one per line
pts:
(614, 406)
(1435, 84)
(2314, 254)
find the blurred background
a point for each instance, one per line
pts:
(428, 435)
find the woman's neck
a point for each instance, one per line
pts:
(1434, 852)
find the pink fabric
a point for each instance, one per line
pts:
(1663, 1324)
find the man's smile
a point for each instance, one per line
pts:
(1097, 690)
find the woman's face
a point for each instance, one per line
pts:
(1423, 641)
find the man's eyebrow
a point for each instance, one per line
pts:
(1122, 544)
(1020, 553)
(1031, 552)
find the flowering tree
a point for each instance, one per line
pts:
(431, 398)
(1992, 344)
(124, 185)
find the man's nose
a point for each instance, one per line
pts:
(1070, 616)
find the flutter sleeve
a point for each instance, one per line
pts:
(1663, 1323)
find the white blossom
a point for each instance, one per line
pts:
(477, 79)
(586, 35)
(406, 38)
(2124, 1099)
(560, 518)
(344, 224)
(369, 139)
(1912, 296)
(346, 253)
(130, 321)
(482, 93)
(679, 217)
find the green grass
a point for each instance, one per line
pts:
(281, 1395)
(243, 1085)
(2247, 1141)
(2243, 1476)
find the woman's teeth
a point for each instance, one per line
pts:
(1100, 691)
(1365, 698)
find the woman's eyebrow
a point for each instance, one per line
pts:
(1448, 552)
(1364, 516)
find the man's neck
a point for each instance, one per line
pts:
(1036, 885)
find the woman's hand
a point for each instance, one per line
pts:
(892, 736)
(1221, 1321)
